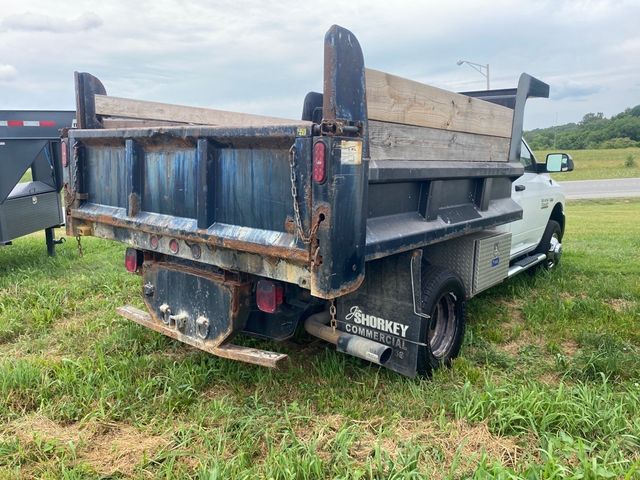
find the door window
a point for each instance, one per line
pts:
(526, 158)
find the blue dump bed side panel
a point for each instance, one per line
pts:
(226, 190)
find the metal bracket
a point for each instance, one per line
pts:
(341, 128)
(416, 283)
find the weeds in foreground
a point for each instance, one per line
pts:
(546, 386)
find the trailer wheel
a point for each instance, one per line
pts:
(443, 298)
(551, 244)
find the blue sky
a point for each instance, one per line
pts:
(262, 57)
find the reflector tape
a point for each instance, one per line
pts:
(27, 123)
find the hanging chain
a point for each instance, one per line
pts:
(71, 194)
(332, 312)
(76, 187)
(80, 250)
(76, 181)
(296, 206)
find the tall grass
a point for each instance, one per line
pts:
(546, 385)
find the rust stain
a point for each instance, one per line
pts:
(84, 230)
(233, 352)
(289, 253)
(336, 293)
(322, 214)
(289, 225)
(237, 288)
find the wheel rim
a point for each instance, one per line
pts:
(442, 325)
(555, 251)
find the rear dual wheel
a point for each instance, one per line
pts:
(443, 299)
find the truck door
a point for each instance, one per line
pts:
(529, 191)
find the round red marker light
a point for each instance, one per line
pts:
(154, 242)
(174, 246)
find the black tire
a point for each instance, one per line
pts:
(443, 297)
(551, 244)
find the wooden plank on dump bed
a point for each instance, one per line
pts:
(392, 141)
(135, 123)
(399, 100)
(139, 109)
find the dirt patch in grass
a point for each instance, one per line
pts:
(550, 379)
(524, 339)
(323, 431)
(569, 347)
(619, 304)
(573, 296)
(514, 329)
(514, 310)
(50, 344)
(217, 392)
(458, 443)
(465, 441)
(108, 448)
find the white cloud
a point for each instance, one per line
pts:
(261, 57)
(7, 72)
(37, 22)
(574, 90)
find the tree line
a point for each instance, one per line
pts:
(593, 131)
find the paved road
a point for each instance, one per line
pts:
(614, 188)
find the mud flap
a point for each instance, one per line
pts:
(387, 308)
(198, 304)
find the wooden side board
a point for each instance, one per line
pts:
(392, 141)
(143, 110)
(390, 99)
(134, 123)
(399, 100)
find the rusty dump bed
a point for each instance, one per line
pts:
(223, 193)
(399, 165)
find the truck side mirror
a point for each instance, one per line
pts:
(559, 162)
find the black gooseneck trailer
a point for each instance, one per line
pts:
(370, 221)
(30, 142)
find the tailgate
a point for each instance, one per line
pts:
(217, 195)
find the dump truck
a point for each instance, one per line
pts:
(31, 173)
(368, 223)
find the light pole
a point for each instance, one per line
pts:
(478, 67)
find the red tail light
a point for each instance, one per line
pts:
(319, 162)
(133, 259)
(269, 295)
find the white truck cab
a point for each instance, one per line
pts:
(542, 200)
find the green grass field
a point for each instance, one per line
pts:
(596, 164)
(547, 385)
